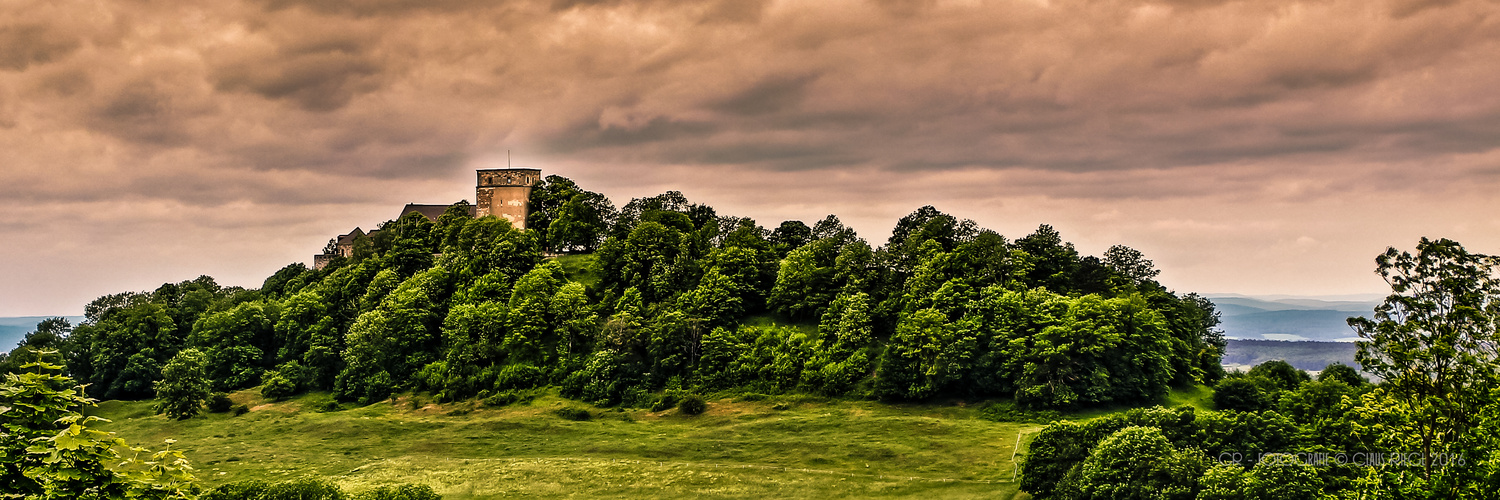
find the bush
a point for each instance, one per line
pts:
(299, 489)
(329, 406)
(665, 402)
(519, 376)
(1007, 412)
(693, 404)
(240, 410)
(243, 490)
(219, 403)
(507, 398)
(315, 489)
(402, 492)
(570, 413)
(1138, 462)
(278, 386)
(1248, 394)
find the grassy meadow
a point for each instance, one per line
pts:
(773, 446)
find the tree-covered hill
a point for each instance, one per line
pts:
(673, 298)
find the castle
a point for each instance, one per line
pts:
(501, 192)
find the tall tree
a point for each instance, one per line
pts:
(1433, 340)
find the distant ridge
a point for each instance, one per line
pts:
(1291, 318)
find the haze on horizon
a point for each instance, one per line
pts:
(1257, 147)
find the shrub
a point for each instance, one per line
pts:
(315, 489)
(1138, 462)
(240, 410)
(243, 490)
(220, 403)
(665, 402)
(299, 489)
(1007, 412)
(507, 398)
(693, 404)
(277, 386)
(401, 492)
(1244, 394)
(571, 413)
(519, 376)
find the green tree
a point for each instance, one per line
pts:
(924, 356)
(577, 322)
(807, 280)
(581, 223)
(239, 343)
(716, 301)
(1285, 376)
(531, 328)
(388, 345)
(1138, 462)
(790, 235)
(1048, 261)
(1130, 264)
(184, 385)
(1343, 373)
(1433, 342)
(50, 335)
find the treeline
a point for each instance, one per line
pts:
(667, 295)
(1427, 430)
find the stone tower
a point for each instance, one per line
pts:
(505, 193)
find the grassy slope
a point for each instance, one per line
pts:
(738, 449)
(580, 268)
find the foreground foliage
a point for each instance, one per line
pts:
(49, 450)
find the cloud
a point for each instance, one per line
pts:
(314, 112)
(28, 44)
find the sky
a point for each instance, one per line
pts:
(1257, 147)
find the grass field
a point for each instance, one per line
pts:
(812, 448)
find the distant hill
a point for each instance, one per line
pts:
(15, 328)
(1243, 354)
(1292, 318)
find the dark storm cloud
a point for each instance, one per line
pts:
(317, 74)
(27, 44)
(772, 94)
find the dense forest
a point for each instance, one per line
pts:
(660, 298)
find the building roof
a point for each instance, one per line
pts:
(431, 212)
(348, 239)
